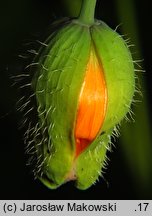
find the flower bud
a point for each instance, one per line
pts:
(84, 86)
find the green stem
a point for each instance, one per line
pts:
(87, 12)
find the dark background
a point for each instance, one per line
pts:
(24, 21)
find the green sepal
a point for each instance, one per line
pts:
(58, 86)
(90, 164)
(119, 74)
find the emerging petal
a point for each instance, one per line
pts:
(92, 104)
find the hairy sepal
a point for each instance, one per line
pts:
(118, 70)
(58, 85)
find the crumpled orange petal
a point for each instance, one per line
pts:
(92, 104)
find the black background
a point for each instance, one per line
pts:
(22, 21)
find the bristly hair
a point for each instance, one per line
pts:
(35, 134)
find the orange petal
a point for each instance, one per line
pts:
(92, 105)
